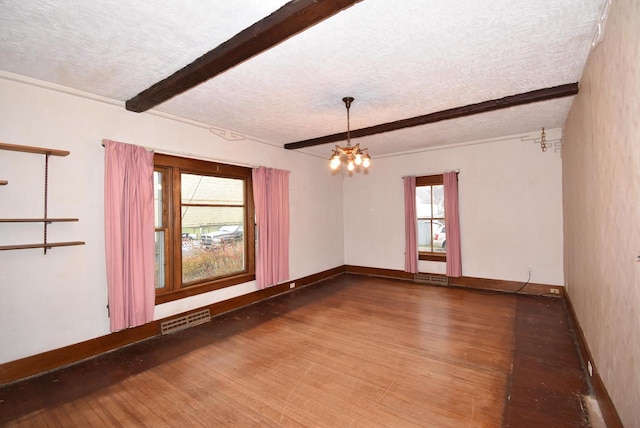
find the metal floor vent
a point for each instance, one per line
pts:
(428, 278)
(187, 321)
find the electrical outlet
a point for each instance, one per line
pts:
(292, 285)
(554, 291)
(590, 368)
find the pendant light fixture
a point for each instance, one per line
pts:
(351, 155)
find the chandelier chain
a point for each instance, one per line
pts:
(348, 103)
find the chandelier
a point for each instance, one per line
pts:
(352, 155)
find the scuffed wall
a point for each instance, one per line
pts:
(601, 191)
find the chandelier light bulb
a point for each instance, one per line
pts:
(358, 159)
(335, 162)
(366, 162)
(350, 166)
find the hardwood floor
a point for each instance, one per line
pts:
(350, 351)
(548, 380)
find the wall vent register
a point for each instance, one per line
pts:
(427, 278)
(186, 321)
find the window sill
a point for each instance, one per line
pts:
(170, 296)
(433, 257)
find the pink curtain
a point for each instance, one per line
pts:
(452, 224)
(129, 234)
(410, 226)
(271, 199)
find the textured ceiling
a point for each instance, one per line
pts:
(398, 59)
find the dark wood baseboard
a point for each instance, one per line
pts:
(607, 408)
(466, 281)
(17, 370)
(371, 271)
(507, 286)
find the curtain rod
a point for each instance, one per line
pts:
(457, 171)
(190, 155)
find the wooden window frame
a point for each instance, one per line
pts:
(431, 180)
(173, 167)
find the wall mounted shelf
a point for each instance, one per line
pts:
(44, 220)
(45, 246)
(30, 149)
(35, 220)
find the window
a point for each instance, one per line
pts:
(432, 238)
(204, 222)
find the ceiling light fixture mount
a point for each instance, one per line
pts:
(352, 155)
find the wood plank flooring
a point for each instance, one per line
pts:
(548, 380)
(350, 351)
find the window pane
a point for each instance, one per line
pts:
(160, 261)
(157, 198)
(430, 213)
(439, 237)
(423, 201)
(201, 189)
(424, 235)
(212, 242)
(438, 201)
(203, 220)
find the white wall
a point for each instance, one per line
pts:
(54, 300)
(601, 178)
(510, 208)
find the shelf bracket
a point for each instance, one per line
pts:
(46, 193)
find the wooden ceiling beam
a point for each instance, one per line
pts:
(453, 113)
(290, 19)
